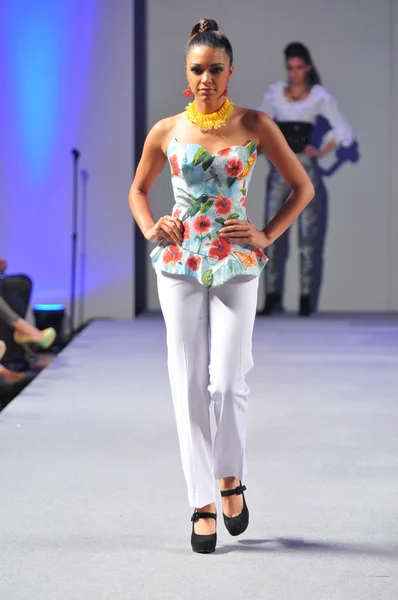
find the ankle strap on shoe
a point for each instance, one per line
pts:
(203, 515)
(238, 490)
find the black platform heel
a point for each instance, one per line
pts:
(237, 525)
(204, 544)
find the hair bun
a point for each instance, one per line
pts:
(204, 25)
(296, 49)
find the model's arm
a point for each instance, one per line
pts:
(149, 168)
(315, 153)
(341, 132)
(287, 164)
(275, 147)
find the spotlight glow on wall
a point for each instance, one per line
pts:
(45, 49)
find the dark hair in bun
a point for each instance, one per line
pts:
(298, 50)
(207, 33)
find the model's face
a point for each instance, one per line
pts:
(208, 72)
(297, 70)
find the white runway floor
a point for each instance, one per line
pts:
(93, 502)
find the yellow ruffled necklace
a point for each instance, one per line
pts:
(211, 121)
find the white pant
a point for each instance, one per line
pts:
(201, 371)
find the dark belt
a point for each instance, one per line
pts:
(298, 135)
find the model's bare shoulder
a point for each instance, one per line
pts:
(159, 132)
(163, 131)
(254, 121)
(261, 127)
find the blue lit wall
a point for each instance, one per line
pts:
(45, 50)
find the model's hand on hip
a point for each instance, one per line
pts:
(167, 228)
(312, 151)
(243, 232)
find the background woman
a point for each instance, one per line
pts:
(295, 107)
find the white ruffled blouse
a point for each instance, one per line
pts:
(319, 102)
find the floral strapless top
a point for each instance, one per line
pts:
(208, 190)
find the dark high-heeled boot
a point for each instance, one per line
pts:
(273, 304)
(305, 305)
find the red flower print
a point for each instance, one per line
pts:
(177, 212)
(234, 167)
(175, 169)
(223, 205)
(187, 230)
(219, 248)
(224, 152)
(172, 254)
(193, 262)
(260, 254)
(243, 201)
(201, 224)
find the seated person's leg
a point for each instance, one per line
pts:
(7, 315)
(24, 332)
(17, 292)
(15, 356)
(7, 376)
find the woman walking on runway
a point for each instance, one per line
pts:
(207, 259)
(295, 107)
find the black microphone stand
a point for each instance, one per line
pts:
(76, 155)
(83, 245)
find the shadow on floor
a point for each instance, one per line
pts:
(315, 547)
